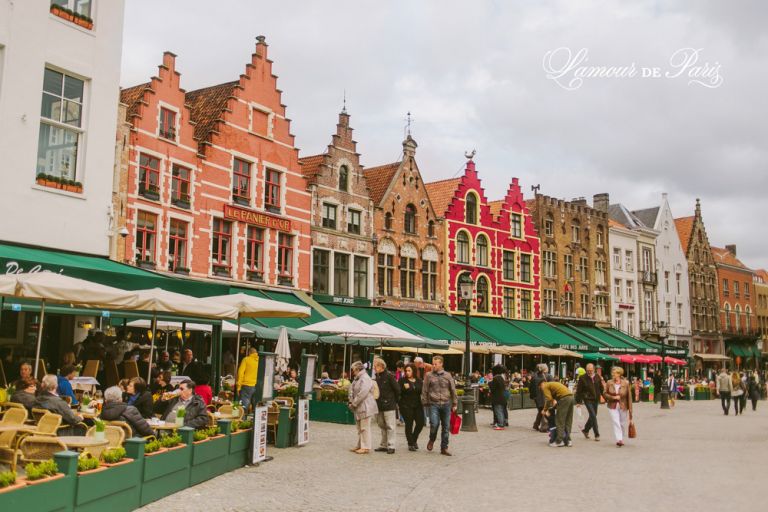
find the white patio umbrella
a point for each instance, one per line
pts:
(226, 327)
(283, 351)
(396, 332)
(158, 300)
(347, 327)
(257, 307)
(58, 288)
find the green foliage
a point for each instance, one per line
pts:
(100, 425)
(113, 455)
(152, 446)
(87, 463)
(212, 431)
(335, 395)
(7, 478)
(238, 425)
(200, 435)
(41, 469)
(290, 391)
(169, 441)
(181, 412)
(85, 401)
(515, 391)
(459, 392)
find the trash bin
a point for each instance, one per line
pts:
(467, 411)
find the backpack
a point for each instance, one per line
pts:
(375, 389)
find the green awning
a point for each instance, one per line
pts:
(607, 339)
(551, 335)
(593, 344)
(597, 356)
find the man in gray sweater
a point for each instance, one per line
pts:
(438, 394)
(724, 388)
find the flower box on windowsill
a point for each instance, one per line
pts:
(152, 195)
(147, 264)
(181, 203)
(221, 271)
(255, 275)
(242, 201)
(78, 19)
(285, 280)
(272, 209)
(181, 270)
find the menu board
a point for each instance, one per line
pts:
(303, 423)
(259, 435)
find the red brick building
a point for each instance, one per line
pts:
(494, 242)
(406, 229)
(211, 179)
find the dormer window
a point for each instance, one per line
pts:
(410, 219)
(343, 178)
(167, 124)
(470, 209)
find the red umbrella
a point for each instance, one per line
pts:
(626, 358)
(674, 360)
(643, 359)
(653, 359)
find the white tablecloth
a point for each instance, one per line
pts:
(90, 381)
(177, 379)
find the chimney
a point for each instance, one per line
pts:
(169, 60)
(600, 202)
(261, 46)
(731, 249)
(697, 211)
(579, 201)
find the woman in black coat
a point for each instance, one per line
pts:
(139, 397)
(410, 406)
(498, 387)
(753, 387)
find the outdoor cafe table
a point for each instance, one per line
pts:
(19, 428)
(84, 383)
(165, 425)
(83, 442)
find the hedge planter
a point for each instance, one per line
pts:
(209, 457)
(527, 402)
(168, 472)
(331, 412)
(515, 401)
(115, 487)
(239, 449)
(47, 495)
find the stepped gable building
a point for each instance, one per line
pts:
(495, 243)
(702, 277)
(738, 322)
(406, 242)
(626, 301)
(672, 291)
(342, 221)
(210, 180)
(575, 273)
(645, 265)
(761, 305)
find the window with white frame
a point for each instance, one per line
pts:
(617, 259)
(629, 261)
(583, 268)
(549, 259)
(600, 273)
(550, 302)
(568, 266)
(617, 289)
(61, 125)
(630, 291)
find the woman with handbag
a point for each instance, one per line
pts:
(618, 396)
(737, 393)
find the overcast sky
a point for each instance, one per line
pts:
(473, 76)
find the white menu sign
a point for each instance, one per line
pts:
(259, 435)
(303, 424)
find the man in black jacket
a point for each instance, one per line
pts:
(540, 376)
(195, 413)
(389, 395)
(115, 410)
(48, 399)
(497, 387)
(589, 389)
(190, 367)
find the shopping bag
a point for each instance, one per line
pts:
(580, 417)
(632, 430)
(455, 423)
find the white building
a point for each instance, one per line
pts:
(623, 254)
(673, 295)
(59, 79)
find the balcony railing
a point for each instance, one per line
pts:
(648, 277)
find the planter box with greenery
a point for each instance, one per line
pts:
(515, 401)
(221, 271)
(209, 456)
(167, 472)
(527, 402)
(10, 482)
(239, 444)
(256, 276)
(118, 485)
(45, 493)
(78, 19)
(181, 203)
(332, 407)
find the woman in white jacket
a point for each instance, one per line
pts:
(363, 403)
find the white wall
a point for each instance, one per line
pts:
(31, 38)
(624, 308)
(671, 258)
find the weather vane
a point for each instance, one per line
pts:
(535, 188)
(469, 155)
(344, 103)
(408, 124)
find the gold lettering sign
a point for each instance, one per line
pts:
(256, 218)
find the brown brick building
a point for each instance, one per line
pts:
(408, 253)
(342, 221)
(705, 306)
(575, 274)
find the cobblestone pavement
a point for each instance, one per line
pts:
(690, 458)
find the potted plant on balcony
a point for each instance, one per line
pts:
(62, 12)
(100, 427)
(42, 472)
(146, 262)
(149, 192)
(83, 21)
(181, 202)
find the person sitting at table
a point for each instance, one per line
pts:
(191, 367)
(203, 389)
(196, 415)
(325, 380)
(25, 371)
(123, 385)
(291, 381)
(49, 400)
(116, 410)
(25, 392)
(139, 397)
(68, 359)
(164, 364)
(162, 383)
(68, 372)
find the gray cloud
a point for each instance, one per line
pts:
(471, 74)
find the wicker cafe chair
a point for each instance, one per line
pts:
(227, 409)
(40, 448)
(37, 414)
(112, 433)
(287, 401)
(8, 444)
(126, 428)
(14, 416)
(211, 419)
(91, 368)
(49, 424)
(273, 414)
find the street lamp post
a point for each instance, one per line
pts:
(467, 403)
(664, 397)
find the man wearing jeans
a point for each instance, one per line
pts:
(724, 388)
(246, 377)
(389, 395)
(589, 389)
(439, 394)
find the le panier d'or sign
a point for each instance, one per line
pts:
(256, 218)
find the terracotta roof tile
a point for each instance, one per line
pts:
(310, 165)
(379, 178)
(726, 257)
(207, 107)
(684, 227)
(495, 207)
(613, 224)
(130, 96)
(762, 274)
(441, 194)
